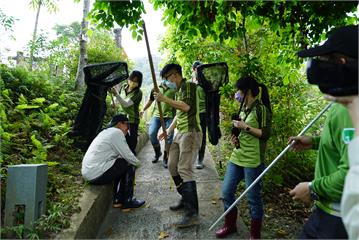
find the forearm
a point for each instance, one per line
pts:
(147, 105)
(173, 125)
(122, 149)
(176, 104)
(124, 102)
(255, 132)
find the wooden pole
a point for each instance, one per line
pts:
(155, 86)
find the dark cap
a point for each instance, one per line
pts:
(342, 40)
(118, 118)
(196, 64)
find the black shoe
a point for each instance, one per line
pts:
(158, 153)
(188, 221)
(165, 165)
(133, 203)
(199, 165)
(116, 203)
(165, 159)
(200, 161)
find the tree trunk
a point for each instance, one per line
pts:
(80, 77)
(34, 37)
(118, 37)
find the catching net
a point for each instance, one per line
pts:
(98, 78)
(106, 74)
(211, 77)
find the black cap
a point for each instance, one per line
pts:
(196, 64)
(118, 118)
(342, 40)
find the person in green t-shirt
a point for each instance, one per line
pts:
(168, 113)
(202, 114)
(247, 159)
(129, 98)
(331, 62)
(186, 142)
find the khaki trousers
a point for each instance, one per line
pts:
(183, 154)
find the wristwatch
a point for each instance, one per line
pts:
(313, 195)
(248, 129)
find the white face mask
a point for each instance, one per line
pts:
(170, 84)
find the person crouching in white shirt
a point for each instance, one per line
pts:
(108, 157)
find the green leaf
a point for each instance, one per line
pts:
(53, 106)
(38, 100)
(26, 106)
(52, 164)
(134, 34)
(36, 142)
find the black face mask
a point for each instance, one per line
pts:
(332, 78)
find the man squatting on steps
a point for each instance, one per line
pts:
(186, 143)
(109, 158)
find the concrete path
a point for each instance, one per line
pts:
(155, 220)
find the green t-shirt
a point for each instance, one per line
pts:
(332, 161)
(252, 150)
(167, 110)
(132, 111)
(202, 99)
(188, 121)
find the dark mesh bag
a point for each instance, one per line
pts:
(99, 78)
(211, 77)
(106, 74)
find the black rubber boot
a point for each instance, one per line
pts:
(179, 186)
(190, 201)
(158, 153)
(165, 159)
(200, 161)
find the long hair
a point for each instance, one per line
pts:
(249, 83)
(138, 75)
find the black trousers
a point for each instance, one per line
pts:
(202, 117)
(114, 174)
(132, 136)
(125, 186)
(322, 225)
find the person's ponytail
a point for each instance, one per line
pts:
(265, 97)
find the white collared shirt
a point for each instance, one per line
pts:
(350, 198)
(108, 145)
